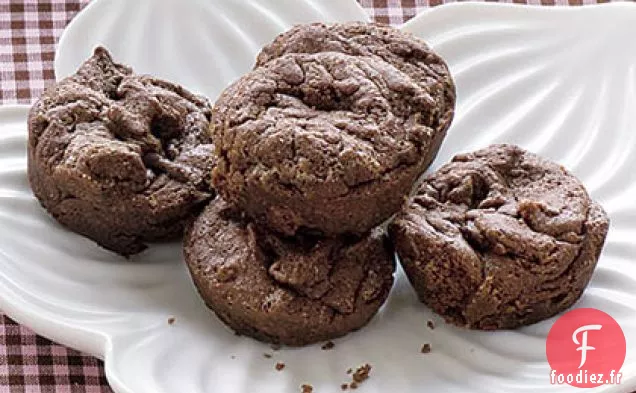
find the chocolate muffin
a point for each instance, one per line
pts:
(293, 291)
(325, 143)
(120, 158)
(499, 238)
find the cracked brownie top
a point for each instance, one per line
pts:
(120, 157)
(286, 290)
(499, 238)
(329, 141)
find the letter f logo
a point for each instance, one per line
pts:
(583, 344)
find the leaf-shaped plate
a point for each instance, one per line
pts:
(560, 82)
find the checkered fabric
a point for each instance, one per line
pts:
(30, 363)
(29, 30)
(28, 33)
(395, 12)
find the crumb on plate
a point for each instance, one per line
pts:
(362, 373)
(328, 345)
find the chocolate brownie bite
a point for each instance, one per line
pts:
(293, 291)
(499, 238)
(123, 159)
(325, 143)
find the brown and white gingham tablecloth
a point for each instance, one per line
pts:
(29, 30)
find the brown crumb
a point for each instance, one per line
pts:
(362, 373)
(232, 357)
(328, 345)
(349, 371)
(267, 355)
(430, 324)
(353, 385)
(280, 366)
(275, 347)
(344, 386)
(426, 348)
(171, 320)
(307, 388)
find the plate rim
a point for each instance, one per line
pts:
(20, 310)
(101, 344)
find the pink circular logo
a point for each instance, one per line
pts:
(586, 348)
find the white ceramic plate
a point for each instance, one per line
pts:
(560, 82)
